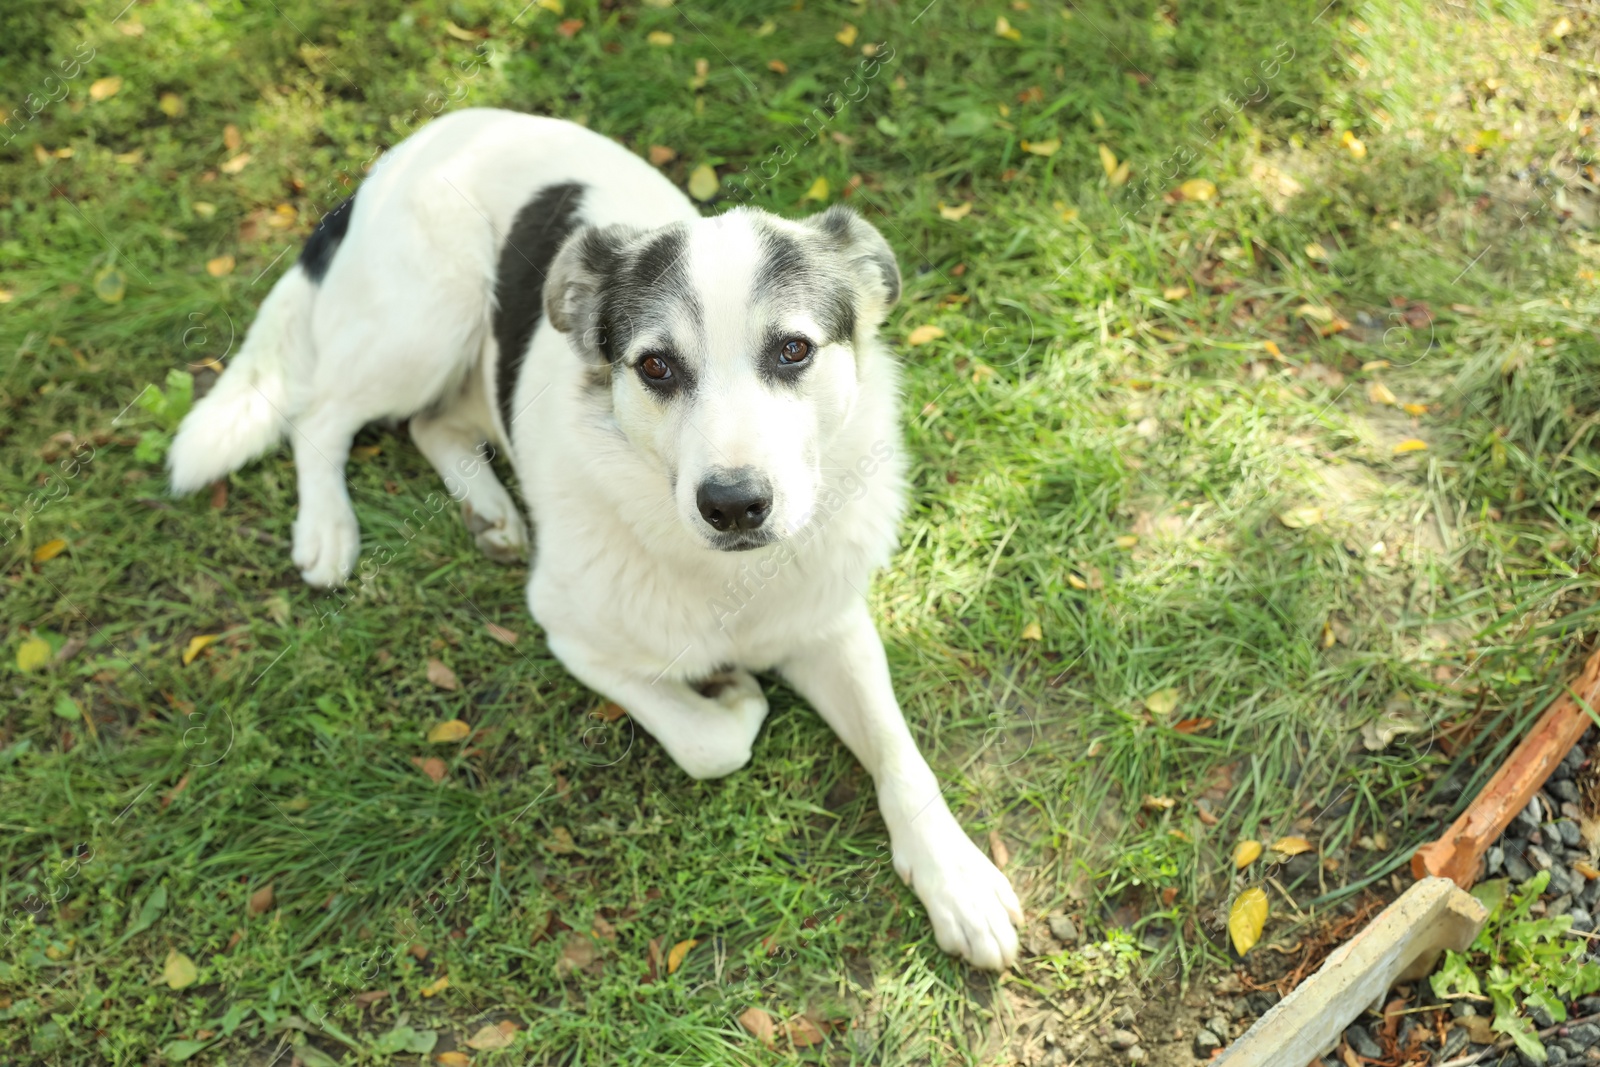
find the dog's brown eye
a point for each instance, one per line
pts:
(794, 351)
(655, 368)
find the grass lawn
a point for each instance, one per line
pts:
(1207, 274)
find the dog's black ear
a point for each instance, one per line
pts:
(869, 256)
(576, 284)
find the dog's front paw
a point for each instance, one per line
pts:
(972, 906)
(327, 542)
(499, 531)
(722, 739)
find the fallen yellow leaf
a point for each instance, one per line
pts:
(1076, 582)
(1162, 702)
(448, 732)
(1291, 846)
(659, 38)
(1108, 160)
(1246, 918)
(1245, 853)
(452, 1059)
(49, 550)
(435, 987)
(1033, 632)
(704, 183)
(1379, 393)
(1410, 444)
(956, 213)
(220, 267)
(105, 88)
(1315, 312)
(1272, 349)
(1316, 251)
(236, 164)
(1353, 143)
(1003, 28)
(1042, 148)
(33, 654)
(1197, 189)
(1300, 518)
(178, 971)
(847, 35)
(818, 190)
(196, 645)
(1175, 292)
(923, 334)
(1414, 409)
(1126, 541)
(679, 951)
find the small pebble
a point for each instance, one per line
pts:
(1494, 860)
(1559, 906)
(1526, 821)
(1567, 790)
(1517, 868)
(1123, 1039)
(1136, 1055)
(1123, 1017)
(1555, 1054)
(1462, 1010)
(1361, 1042)
(1584, 1035)
(1205, 1043)
(1454, 1042)
(1218, 1025)
(1539, 857)
(1063, 929)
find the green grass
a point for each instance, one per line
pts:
(1077, 397)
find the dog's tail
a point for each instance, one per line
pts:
(248, 409)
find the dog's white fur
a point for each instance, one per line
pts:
(635, 600)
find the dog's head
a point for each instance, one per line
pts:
(730, 350)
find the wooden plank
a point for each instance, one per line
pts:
(1402, 943)
(1458, 855)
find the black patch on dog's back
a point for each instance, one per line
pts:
(325, 239)
(536, 235)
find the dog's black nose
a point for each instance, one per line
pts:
(737, 500)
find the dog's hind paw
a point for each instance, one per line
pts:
(972, 906)
(326, 545)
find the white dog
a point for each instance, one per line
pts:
(699, 412)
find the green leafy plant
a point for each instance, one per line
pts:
(169, 407)
(1519, 957)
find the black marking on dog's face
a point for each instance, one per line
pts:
(538, 232)
(325, 240)
(625, 291)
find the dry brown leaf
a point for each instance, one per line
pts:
(231, 140)
(442, 676)
(678, 952)
(660, 155)
(452, 1059)
(1193, 726)
(489, 1037)
(561, 841)
(220, 267)
(998, 851)
(433, 767)
(449, 732)
(501, 634)
(609, 712)
(803, 1033)
(760, 1025)
(777, 66)
(577, 952)
(261, 900)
